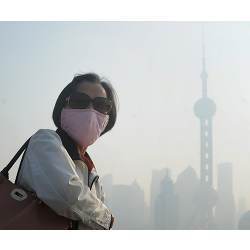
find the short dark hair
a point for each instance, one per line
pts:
(71, 87)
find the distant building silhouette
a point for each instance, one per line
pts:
(225, 214)
(128, 206)
(186, 187)
(166, 206)
(139, 206)
(244, 222)
(242, 208)
(157, 177)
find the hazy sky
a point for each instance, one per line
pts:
(155, 68)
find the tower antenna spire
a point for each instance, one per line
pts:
(203, 72)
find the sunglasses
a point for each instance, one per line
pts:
(79, 100)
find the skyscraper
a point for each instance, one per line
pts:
(242, 207)
(225, 213)
(128, 206)
(205, 109)
(157, 177)
(186, 187)
(166, 205)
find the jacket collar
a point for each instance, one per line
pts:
(69, 144)
(72, 150)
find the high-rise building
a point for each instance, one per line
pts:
(205, 109)
(157, 177)
(225, 214)
(128, 206)
(186, 187)
(166, 206)
(244, 221)
(242, 207)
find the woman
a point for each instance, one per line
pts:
(56, 165)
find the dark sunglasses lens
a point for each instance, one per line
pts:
(102, 105)
(79, 102)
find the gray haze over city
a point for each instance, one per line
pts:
(153, 152)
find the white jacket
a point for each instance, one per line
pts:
(63, 184)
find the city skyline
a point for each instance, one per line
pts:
(174, 202)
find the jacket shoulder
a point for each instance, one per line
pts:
(46, 134)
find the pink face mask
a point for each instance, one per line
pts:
(84, 126)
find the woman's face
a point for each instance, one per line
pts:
(98, 96)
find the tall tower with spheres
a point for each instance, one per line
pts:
(205, 109)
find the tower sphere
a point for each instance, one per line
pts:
(204, 108)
